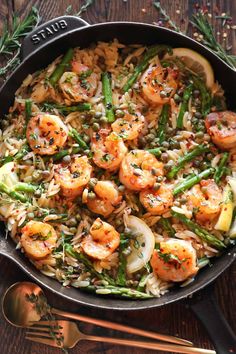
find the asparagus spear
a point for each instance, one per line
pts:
(75, 135)
(5, 160)
(28, 110)
(59, 155)
(121, 275)
(57, 73)
(165, 223)
(23, 151)
(162, 123)
(119, 291)
(12, 193)
(151, 53)
(107, 93)
(25, 187)
(89, 266)
(28, 113)
(80, 107)
(205, 95)
(189, 182)
(201, 232)
(200, 149)
(184, 106)
(142, 282)
(220, 169)
(156, 151)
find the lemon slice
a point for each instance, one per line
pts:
(8, 174)
(143, 245)
(196, 63)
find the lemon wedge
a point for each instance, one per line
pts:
(143, 246)
(196, 63)
(227, 207)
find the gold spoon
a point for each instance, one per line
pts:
(20, 312)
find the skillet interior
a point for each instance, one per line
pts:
(126, 33)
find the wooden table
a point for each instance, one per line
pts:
(173, 319)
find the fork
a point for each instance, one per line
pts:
(67, 334)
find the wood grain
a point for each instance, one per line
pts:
(173, 319)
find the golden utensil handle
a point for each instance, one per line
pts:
(122, 328)
(147, 345)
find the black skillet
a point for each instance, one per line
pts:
(41, 47)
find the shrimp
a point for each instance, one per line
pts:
(175, 260)
(107, 197)
(157, 202)
(38, 239)
(73, 178)
(108, 149)
(159, 84)
(139, 170)
(78, 85)
(221, 126)
(205, 198)
(129, 126)
(46, 134)
(102, 240)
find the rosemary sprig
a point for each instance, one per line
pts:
(10, 39)
(84, 7)
(201, 23)
(11, 64)
(165, 16)
(87, 3)
(44, 310)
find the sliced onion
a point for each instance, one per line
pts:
(8, 174)
(143, 247)
(232, 183)
(9, 177)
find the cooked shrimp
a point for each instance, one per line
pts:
(78, 85)
(159, 84)
(205, 198)
(139, 170)
(102, 240)
(38, 239)
(157, 202)
(175, 260)
(46, 134)
(108, 149)
(221, 126)
(107, 197)
(73, 178)
(129, 126)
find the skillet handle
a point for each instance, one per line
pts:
(49, 31)
(208, 312)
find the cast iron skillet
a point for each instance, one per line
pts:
(41, 47)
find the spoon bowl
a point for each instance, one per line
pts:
(17, 309)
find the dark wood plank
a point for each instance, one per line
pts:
(172, 319)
